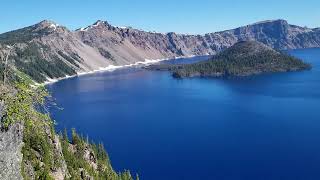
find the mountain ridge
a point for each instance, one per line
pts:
(47, 50)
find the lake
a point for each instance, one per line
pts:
(258, 127)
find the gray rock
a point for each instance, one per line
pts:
(10, 152)
(1, 109)
(61, 172)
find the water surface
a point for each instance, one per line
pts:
(259, 127)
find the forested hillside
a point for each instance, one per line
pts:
(30, 148)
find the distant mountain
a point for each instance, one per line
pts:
(277, 34)
(242, 59)
(47, 50)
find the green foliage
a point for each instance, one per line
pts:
(106, 54)
(74, 155)
(30, 61)
(25, 104)
(38, 150)
(28, 55)
(22, 35)
(21, 103)
(71, 60)
(244, 58)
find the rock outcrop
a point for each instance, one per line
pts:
(10, 150)
(11, 142)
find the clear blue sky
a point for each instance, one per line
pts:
(183, 16)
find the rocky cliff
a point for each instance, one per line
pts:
(10, 149)
(31, 149)
(277, 34)
(47, 50)
(10, 152)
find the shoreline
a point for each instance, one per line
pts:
(110, 68)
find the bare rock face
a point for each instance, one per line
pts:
(90, 158)
(10, 152)
(1, 109)
(130, 45)
(61, 172)
(277, 34)
(47, 50)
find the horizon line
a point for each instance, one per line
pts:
(154, 31)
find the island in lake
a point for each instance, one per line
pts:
(242, 59)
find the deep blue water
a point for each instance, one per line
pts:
(259, 127)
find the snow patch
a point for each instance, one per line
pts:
(97, 23)
(84, 29)
(114, 67)
(54, 26)
(91, 26)
(51, 81)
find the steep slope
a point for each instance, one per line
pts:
(47, 50)
(277, 34)
(242, 59)
(31, 149)
(10, 152)
(127, 45)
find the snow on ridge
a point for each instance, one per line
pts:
(84, 29)
(156, 32)
(98, 23)
(91, 26)
(54, 26)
